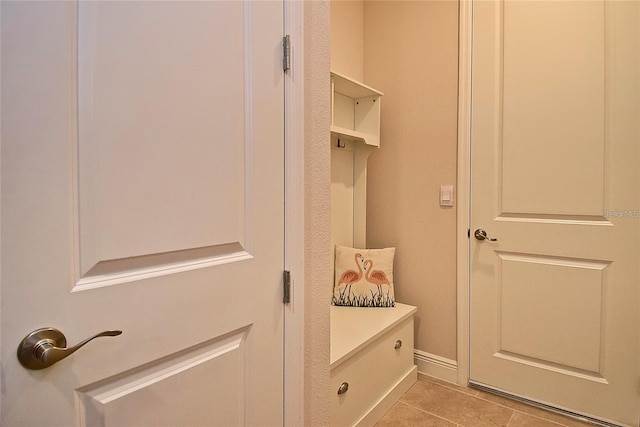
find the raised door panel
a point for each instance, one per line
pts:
(162, 138)
(552, 312)
(552, 108)
(203, 385)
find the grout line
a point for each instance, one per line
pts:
(525, 413)
(460, 392)
(522, 412)
(453, 387)
(540, 418)
(477, 396)
(549, 412)
(433, 415)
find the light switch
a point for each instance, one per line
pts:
(446, 195)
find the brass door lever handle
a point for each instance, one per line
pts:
(46, 346)
(480, 234)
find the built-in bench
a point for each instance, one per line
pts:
(371, 361)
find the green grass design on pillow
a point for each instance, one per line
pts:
(377, 299)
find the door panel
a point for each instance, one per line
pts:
(216, 367)
(142, 190)
(554, 308)
(189, 130)
(552, 105)
(539, 293)
(166, 97)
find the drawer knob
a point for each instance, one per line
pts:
(398, 344)
(343, 388)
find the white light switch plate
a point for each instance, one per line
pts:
(446, 195)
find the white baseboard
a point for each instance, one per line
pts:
(385, 403)
(436, 366)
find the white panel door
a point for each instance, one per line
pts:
(142, 191)
(555, 160)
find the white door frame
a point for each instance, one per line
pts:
(294, 218)
(465, 32)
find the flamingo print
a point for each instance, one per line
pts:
(377, 277)
(350, 277)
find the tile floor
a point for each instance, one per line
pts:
(431, 402)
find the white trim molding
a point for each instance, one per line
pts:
(464, 186)
(436, 366)
(294, 217)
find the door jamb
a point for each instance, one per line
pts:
(465, 33)
(293, 381)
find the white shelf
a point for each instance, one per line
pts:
(353, 135)
(355, 110)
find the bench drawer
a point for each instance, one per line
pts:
(371, 373)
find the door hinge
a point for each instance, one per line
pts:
(286, 282)
(286, 53)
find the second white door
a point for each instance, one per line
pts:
(555, 160)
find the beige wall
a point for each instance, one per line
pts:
(318, 275)
(347, 38)
(410, 53)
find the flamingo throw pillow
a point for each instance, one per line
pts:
(363, 277)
